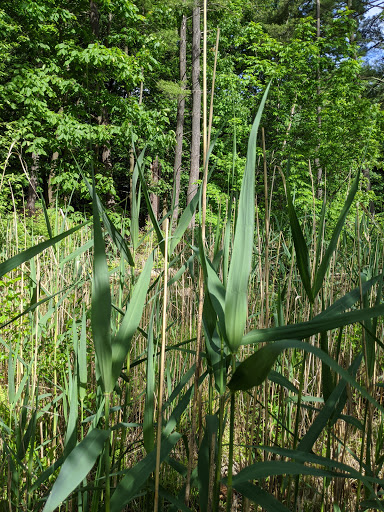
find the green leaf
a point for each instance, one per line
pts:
(204, 459)
(82, 358)
(254, 370)
(236, 297)
(155, 223)
(122, 341)
(349, 299)
(136, 199)
(321, 271)
(11, 377)
(136, 477)
(216, 292)
(301, 248)
(116, 237)
(311, 458)
(260, 497)
(329, 409)
(318, 324)
(184, 221)
(76, 467)
(71, 432)
(28, 254)
(286, 344)
(278, 467)
(101, 306)
(148, 423)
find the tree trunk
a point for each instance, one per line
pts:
(180, 119)
(317, 159)
(32, 189)
(94, 18)
(196, 107)
(154, 197)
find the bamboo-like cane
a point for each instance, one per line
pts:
(162, 364)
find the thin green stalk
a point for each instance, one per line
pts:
(230, 455)
(219, 454)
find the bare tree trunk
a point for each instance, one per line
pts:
(317, 159)
(32, 189)
(154, 197)
(94, 18)
(180, 118)
(196, 107)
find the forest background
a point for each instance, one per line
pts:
(94, 82)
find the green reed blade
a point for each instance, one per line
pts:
(122, 341)
(279, 379)
(260, 497)
(322, 270)
(177, 502)
(226, 246)
(136, 200)
(82, 358)
(28, 254)
(47, 473)
(101, 306)
(217, 294)
(320, 235)
(311, 458)
(204, 460)
(76, 467)
(71, 433)
(74, 254)
(279, 467)
(184, 221)
(301, 345)
(370, 345)
(301, 248)
(331, 406)
(350, 298)
(155, 223)
(149, 408)
(46, 218)
(236, 297)
(116, 237)
(11, 377)
(255, 369)
(318, 324)
(134, 479)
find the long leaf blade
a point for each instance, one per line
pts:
(122, 341)
(320, 273)
(301, 248)
(318, 324)
(28, 254)
(236, 298)
(76, 467)
(101, 306)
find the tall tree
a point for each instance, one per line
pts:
(180, 116)
(196, 105)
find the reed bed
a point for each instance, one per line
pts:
(106, 402)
